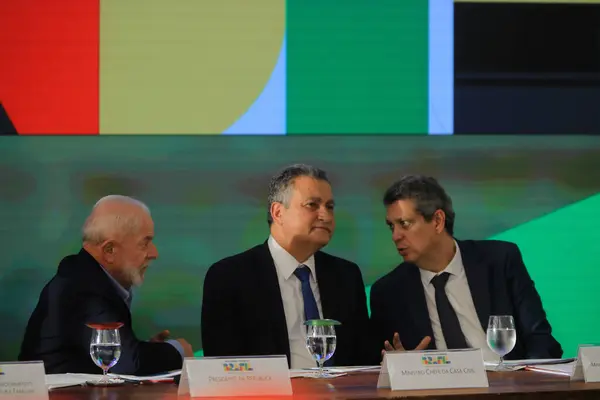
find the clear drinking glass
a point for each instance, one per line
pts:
(501, 336)
(321, 341)
(105, 347)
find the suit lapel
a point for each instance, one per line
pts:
(271, 298)
(415, 297)
(89, 272)
(477, 276)
(326, 280)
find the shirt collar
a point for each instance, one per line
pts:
(285, 263)
(123, 293)
(455, 267)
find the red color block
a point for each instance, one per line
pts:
(49, 65)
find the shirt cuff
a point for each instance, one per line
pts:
(178, 346)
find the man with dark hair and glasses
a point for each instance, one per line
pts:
(255, 302)
(444, 292)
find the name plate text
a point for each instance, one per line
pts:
(433, 369)
(242, 376)
(587, 366)
(23, 379)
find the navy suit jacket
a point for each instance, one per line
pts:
(499, 284)
(243, 315)
(81, 293)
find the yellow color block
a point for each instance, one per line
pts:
(184, 66)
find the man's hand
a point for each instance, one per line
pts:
(398, 344)
(187, 348)
(160, 337)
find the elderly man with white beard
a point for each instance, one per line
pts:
(95, 287)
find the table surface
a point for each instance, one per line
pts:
(363, 385)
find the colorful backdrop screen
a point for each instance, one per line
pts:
(381, 68)
(300, 67)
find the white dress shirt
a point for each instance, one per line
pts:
(293, 302)
(459, 295)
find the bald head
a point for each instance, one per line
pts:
(113, 216)
(118, 233)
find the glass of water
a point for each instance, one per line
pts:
(105, 347)
(501, 336)
(320, 341)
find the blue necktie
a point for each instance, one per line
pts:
(311, 311)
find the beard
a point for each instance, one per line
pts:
(134, 275)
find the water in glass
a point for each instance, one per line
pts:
(501, 341)
(105, 347)
(321, 341)
(321, 347)
(105, 355)
(501, 336)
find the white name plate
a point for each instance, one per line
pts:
(23, 379)
(587, 366)
(433, 369)
(240, 376)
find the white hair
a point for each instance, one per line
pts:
(99, 226)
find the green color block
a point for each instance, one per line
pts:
(357, 66)
(561, 253)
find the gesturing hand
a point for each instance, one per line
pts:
(397, 344)
(161, 336)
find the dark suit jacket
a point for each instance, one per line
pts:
(78, 294)
(499, 284)
(243, 315)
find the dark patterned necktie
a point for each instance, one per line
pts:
(455, 339)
